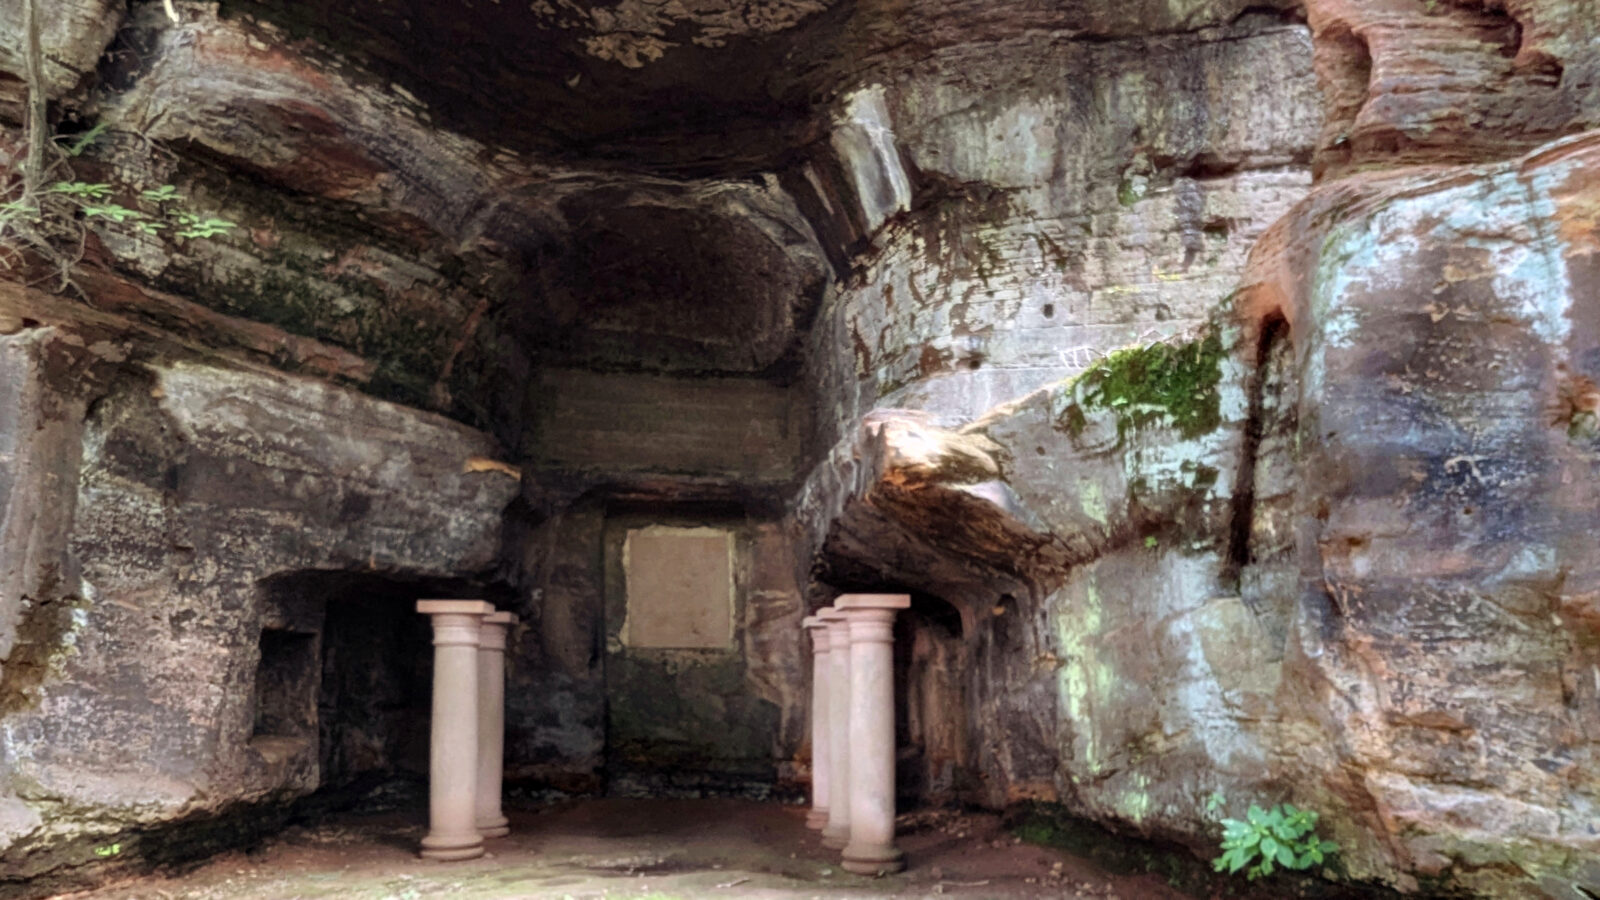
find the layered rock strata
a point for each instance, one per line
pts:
(1215, 376)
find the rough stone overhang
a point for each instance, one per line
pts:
(347, 186)
(1010, 502)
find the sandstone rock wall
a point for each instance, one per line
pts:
(556, 689)
(540, 297)
(617, 427)
(852, 280)
(1407, 83)
(1441, 649)
(1349, 576)
(1026, 223)
(164, 493)
(1048, 226)
(72, 35)
(725, 720)
(1159, 612)
(586, 713)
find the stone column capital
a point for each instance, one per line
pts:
(838, 627)
(871, 616)
(456, 623)
(819, 633)
(492, 637)
(850, 602)
(460, 607)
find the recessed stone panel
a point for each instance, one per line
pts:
(679, 588)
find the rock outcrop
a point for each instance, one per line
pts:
(155, 501)
(1407, 83)
(1447, 363)
(1219, 377)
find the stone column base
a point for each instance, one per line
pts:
(873, 860)
(817, 819)
(494, 827)
(452, 848)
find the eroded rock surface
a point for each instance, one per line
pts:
(1447, 363)
(1409, 83)
(181, 489)
(1218, 377)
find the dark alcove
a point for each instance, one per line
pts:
(931, 670)
(347, 661)
(286, 685)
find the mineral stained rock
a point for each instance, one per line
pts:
(1220, 378)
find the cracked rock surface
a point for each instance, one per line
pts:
(1218, 377)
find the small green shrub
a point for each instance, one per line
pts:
(1282, 836)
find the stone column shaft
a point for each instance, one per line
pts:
(491, 822)
(453, 762)
(836, 834)
(821, 748)
(871, 850)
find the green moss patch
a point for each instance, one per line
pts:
(1165, 383)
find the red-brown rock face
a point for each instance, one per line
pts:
(1409, 82)
(1221, 377)
(1443, 658)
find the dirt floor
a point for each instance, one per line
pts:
(656, 849)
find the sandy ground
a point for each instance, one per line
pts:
(656, 849)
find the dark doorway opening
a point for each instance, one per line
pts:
(931, 671)
(347, 670)
(377, 686)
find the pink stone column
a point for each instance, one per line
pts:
(453, 763)
(836, 834)
(490, 820)
(821, 749)
(871, 850)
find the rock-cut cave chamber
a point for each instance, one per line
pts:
(1214, 379)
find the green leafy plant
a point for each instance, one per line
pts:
(79, 143)
(164, 194)
(46, 213)
(44, 210)
(1283, 836)
(112, 211)
(193, 226)
(14, 209)
(91, 191)
(89, 198)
